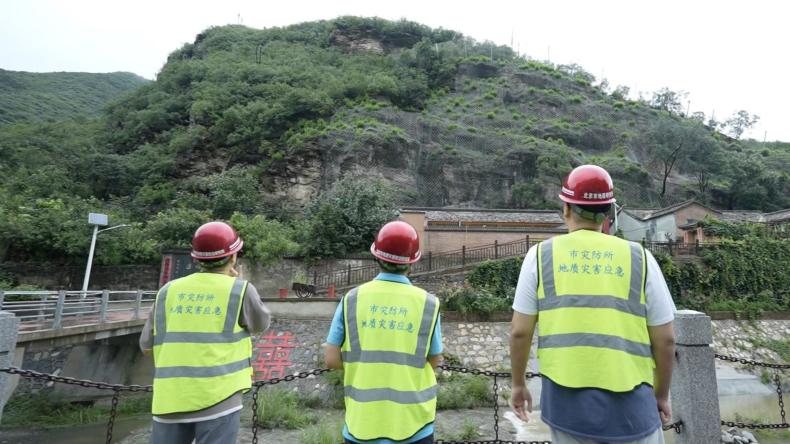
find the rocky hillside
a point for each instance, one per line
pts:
(447, 120)
(261, 122)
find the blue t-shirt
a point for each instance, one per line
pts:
(337, 334)
(599, 415)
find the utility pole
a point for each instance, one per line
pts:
(95, 219)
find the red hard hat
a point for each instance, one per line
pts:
(397, 242)
(588, 185)
(215, 240)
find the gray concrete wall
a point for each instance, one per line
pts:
(8, 333)
(655, 230)
(69, 277)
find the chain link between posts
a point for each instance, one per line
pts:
(118, 388)
(777, 380)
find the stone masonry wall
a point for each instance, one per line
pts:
(294, 345)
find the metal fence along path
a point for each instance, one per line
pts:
(430, 262)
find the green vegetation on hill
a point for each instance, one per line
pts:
(28, 97)
(259, 125)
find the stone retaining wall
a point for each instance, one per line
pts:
(294, 345)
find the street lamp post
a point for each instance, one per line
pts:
(97, 220)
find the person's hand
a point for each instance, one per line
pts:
(234, 272)
(519, 399)
(664, 410)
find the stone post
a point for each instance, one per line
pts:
(694, 392)
(9, 326)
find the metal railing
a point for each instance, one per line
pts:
(430, 262)
(680, 248)
(54, 310)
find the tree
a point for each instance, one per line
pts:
(668, 100)
(174, 227)
(527, 195)
(265, 241)
(345, 219)
(739, 122)
(705, 158)
(698, 116)
(621, 92)
(668, 142)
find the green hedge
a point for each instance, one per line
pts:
(748, 275)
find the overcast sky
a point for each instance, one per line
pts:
(727, 55)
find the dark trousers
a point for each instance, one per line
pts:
(222, 430)
(427, 440)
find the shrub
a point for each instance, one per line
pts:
(459, 391)
(466, 300)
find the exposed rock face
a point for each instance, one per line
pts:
(358, 44)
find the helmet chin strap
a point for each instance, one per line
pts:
(588, 215)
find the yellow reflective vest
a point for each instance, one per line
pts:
(201, 355)
(390, 388)
(592, 329)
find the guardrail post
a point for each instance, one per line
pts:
(430, 263)
(9, 327)
(525, 251)
(694, 392)
(348, 274)
(105, 299)
(56, 322)
(463, 255)
(138, 300)
(496, 249)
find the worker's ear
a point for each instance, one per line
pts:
(566, 210)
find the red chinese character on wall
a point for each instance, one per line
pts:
(271, 357)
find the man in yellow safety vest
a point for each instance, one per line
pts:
(386, 335)
(605, 339)
(199, 330)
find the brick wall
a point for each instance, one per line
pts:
(438, 241)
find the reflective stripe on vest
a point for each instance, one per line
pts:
(387, 394)
(389, 385)
(201, 354)
(596, 339)
(161, 335)
(417, 359)
(632, 305)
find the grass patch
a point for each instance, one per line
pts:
(459, 391)
(780, 346)
(467, 432)
(763, 433)
(283, 409)
(53, 410)
(327, 431)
